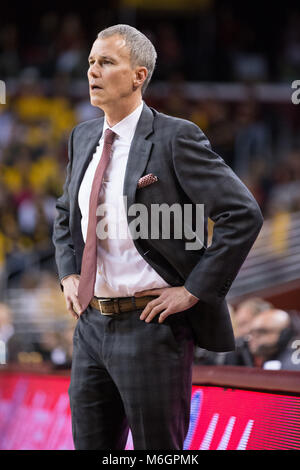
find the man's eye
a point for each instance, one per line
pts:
(103, 62)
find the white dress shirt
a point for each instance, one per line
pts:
(121, 270)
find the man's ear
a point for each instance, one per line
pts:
(140, 76)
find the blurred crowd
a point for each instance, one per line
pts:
(44, 65)
(214, 41)
(34, 324)
(34, 131)
(47, 95)
(266, 337)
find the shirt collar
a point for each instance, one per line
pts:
(126, 127)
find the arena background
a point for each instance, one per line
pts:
(231, 67)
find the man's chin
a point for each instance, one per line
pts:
(98, 103)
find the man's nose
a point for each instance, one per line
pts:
(94, 71)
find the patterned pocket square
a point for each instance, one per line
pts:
(146, 180)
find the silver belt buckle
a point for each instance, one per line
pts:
(99, 303)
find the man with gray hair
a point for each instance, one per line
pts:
(142, 303)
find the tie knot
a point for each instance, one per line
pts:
(109, 136)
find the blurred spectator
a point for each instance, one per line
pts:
(290, 63)
(271, 343)
(169, 49)
(51, 300)
(269, 340)
(14, 342)
(220, 129)
(285, 194)
(245, 313)
(55, 347)
(41, 52)
(71, 47)
(9, 57)
(7, 121)
(37, 328)
(252, 139)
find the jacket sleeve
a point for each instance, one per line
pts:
(206, 179)
(62, 240)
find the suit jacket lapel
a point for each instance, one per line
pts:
(138, 154)
(86, 151)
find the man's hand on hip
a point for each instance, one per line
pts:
(70, 285)
(170, 300)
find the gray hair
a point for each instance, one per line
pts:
(142, 51)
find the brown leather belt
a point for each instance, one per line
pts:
(120, 304)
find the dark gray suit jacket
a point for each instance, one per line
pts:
(189, 172)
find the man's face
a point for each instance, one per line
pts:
(264, 336)
(110, 73)
(242, 321)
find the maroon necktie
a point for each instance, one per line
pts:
(89, 258)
